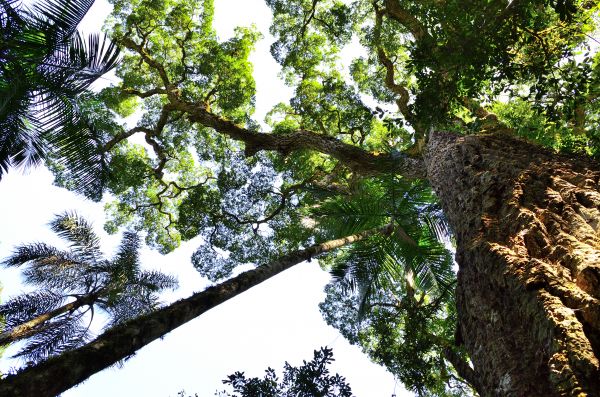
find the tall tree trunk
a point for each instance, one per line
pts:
(36, 324)
(526, 222)
(60, 373)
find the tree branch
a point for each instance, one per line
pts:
(357, 159)
(395, 11)
(464, 370)
(390, 81)
(60, 373)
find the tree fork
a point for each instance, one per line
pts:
(60, 373)
(528, 249)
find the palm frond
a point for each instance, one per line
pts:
(49, 267)
(126, 263)
(66, 15)
(80, 233)
(25, 307)
(342, 216)
(20, 142)
(63, 334)
(130, 305)
(36, 252)
(86, 60)
(49, 66)
(156, 281)
(394, 263)
(68, 278)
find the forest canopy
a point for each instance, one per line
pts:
(463, 124)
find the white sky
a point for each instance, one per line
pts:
(273, 322)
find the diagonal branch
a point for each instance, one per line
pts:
(357, 159)
(60, 373)
(390, 81)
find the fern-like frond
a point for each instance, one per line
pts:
(23, 308)
(343, 215)
(63, 334)
(80, 233)
(125, 266)
(35, 252)
(156, 281)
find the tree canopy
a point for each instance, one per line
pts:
(348, 152)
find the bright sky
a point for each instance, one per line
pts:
(274, 322)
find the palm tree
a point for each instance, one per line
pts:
(71, 284)
(412, 258)
(45, 66)
(392, 294)
(60, 373)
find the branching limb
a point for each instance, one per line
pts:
(394, 10)
(143, 94)
(390, 82)
(357, 159)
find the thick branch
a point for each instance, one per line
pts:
(390, 81)
(357, 159)
(143, 94)
(60, 373)
(395, 11)
(464, 370)
(122, 136)
(153, 63)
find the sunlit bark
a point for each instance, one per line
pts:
(526, 223)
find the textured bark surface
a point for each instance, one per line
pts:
(526, 222)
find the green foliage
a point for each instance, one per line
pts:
(312, 379)
(423, 66)
(118, 287)
(392, 294)
(406, 336)
(150, 186)
(45, 65)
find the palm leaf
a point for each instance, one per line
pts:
(66, 15)
(48, 66)
(63, 334)
(25, 307)
(125, 267)
(80, 234)
(342, 215)
(156, 281)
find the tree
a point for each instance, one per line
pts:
(46, 68)
(392, 295)
(60, 373)
(524, 217)
(312, 379)
(71, 284)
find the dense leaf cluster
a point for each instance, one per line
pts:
(311, 379)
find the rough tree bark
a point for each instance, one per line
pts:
(60, 373)
(526, 222)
